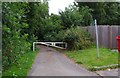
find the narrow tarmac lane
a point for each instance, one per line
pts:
(50, 62)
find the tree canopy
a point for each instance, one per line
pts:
(107, 13)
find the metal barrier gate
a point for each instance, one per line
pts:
(53, 44)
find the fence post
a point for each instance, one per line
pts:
(33, 46)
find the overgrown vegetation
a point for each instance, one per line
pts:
(37, 19)
(88, 58)
(22, 65)
(25, 22)
(76, 37)
(14, 42)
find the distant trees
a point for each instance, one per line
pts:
(72, 16)
(53, 26)
(41, 24)
(104, 12)
(37, 19)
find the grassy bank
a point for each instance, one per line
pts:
(88, 58)
(23, 65)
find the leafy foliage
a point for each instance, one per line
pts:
(76, 37)
(15, 43)
(23, 66)
(104, 12)
(72, 16)
(53, 27)
(37, 19)
(42, 25)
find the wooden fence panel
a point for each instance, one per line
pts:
(118, 30)
(104, 37)
(114, 35)
(106, 34)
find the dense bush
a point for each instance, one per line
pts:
(41, 24)
(76, 37)
(53, 26)
(14, 41)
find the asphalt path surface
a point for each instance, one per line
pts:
(50, 62)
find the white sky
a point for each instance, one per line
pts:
(56, 5)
